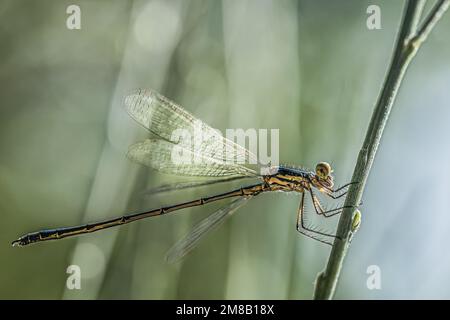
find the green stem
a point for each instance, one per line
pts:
(409, 39)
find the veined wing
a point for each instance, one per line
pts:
(190, 241)
(162, 156)
(191, 184)
(171, 122)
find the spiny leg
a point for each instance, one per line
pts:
(336, 197)
(345, 186)
(308, 231)
(332, 193)
(319, 209)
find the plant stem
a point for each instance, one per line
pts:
(409, 39)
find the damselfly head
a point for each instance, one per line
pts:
(323, 175)
(323, 170)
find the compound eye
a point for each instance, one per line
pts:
(323, 170)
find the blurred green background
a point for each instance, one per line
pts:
(310, 68)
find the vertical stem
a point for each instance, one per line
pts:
(408, 42)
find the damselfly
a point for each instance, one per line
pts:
(162, 118)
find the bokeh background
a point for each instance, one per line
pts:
(310, 68)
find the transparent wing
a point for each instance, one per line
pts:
(186, 244)
(171, 122)
(174, 159)
(190, 184)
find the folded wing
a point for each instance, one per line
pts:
(174, 159)
(172, 123)
(191, 240)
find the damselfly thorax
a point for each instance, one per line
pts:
(299, 180)
(162, 117)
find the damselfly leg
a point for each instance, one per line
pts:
(319, 209)
(335, 194)
(309, 231)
